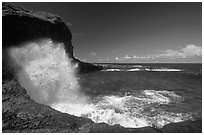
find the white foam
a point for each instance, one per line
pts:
(154, 96)
(170, 94)
(111, 117)
(77, 109)
(128, 111)
(166, 69)
(113, 69)
(145, 69)
(134, 69)
(163, 70)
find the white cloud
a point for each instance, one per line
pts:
(134, 57)
(127, 57)
(150, 57)
(92, 54)
(143, 57)
(192, 50)
(187, 51)
(171, 53)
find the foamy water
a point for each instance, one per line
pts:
(163, 70)
(113, 70)
(134, 69)
(130, 111)
(142, 69)
(49, 77)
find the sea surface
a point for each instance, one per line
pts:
(131, 95)
(138, 95)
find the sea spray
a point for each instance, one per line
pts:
(46, 72)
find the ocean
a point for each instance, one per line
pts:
(131, 95)
(137, 95)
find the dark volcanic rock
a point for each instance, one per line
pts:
(84, 67)
(184, 127)
(22, 114)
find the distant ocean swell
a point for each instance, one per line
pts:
(144, 69)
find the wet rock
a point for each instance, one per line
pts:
(20, 113)
(184, 127)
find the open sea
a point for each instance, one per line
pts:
(131, 95)
(138, 95)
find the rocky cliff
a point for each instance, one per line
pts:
(22, 114)
(20, 25)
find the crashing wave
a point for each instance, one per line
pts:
(46, 72)
(134, 69)
(144, 69)
(129, 111)
(113, 69)
(163, 70)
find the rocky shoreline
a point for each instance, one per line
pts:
(22, 114)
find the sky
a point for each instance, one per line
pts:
(131, 32)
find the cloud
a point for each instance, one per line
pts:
(171, 53)
(187, 51)
(135, 57)
(127, 57)
(92, 54)
(192, 50)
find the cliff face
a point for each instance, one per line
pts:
(20, 25)
(22, 114)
